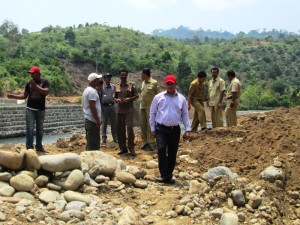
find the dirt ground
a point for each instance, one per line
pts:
(246, 149)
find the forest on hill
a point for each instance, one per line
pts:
(269, 68)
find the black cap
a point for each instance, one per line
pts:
(107, 75)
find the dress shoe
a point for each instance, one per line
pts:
(40, 148)
(151, 147)
(123, 151)
(144, 146)
(165, 181)
(133, 154)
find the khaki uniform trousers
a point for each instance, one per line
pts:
(216, 116)
(230, 113)
(145, 126)
(125, 123)
(199, 115)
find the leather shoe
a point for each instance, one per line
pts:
(165, 181)
(40, 148)
(144, 146)
(151, 147)
(123, 151)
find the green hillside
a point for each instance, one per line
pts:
(268, 68)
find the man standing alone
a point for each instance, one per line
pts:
(125, 94)
(108, 108)
(233, 95)
(150, 88)
(92, 112)
(216, 92)
(36, 91)
(167, 110)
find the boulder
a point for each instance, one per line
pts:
(22, 182)
(126, 178)
(99, 163)
(271, 174)
(219, 171)
(128, 217)
(60, 162)
(31, 160)
(12, 160)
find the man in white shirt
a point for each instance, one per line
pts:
(168, 109)
(92, 112)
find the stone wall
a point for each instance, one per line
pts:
(58, 117)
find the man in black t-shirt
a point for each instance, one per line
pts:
(35, 91)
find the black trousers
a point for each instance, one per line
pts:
(167, 139)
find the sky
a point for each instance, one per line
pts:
(147, 15)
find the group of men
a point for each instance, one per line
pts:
(213, 94)
(161, 112)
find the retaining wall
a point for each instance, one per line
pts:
(58, 117)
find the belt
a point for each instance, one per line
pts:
(168, 127)
(231, 98)
(108, 104)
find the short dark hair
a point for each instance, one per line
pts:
(230, 73)
(123, 70)
(202, 74)
(100, 81)
(214, 68)
(147, 71)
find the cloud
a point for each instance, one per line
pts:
(220, 5)
(151, 4)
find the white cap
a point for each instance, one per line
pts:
(94, 76)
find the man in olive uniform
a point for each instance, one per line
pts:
(216, 92)
(197, 96)
(125, 94)
(233, 95)
(150, 88)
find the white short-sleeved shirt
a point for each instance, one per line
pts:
(90, 94)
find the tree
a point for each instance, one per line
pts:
(70, 36)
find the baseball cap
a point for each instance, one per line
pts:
(34, 69)
(94, 76)
(170, 79)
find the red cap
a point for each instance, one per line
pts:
(170, 79)
(34, 69)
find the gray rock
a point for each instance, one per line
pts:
(7, 191)
(2, 184)
(2, 217)
(24, 195)
(60, 162)
(254, 200)
(47, 196)
(101, 179)
(271, 174)
(238, 197)
(229, 219)
(126, 178)
(217, 213)
(75, 196)
(60, 204)
(75, 205)
(152, 164)
(121, 165)
(140, 184)
(128, 217)
(41, 181)
(99, 163)
(5, 176)
(137, 172)
(219, 171)
(53, 187)
(22, 182)
(114, 184)
(73, 182)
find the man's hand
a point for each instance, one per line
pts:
(153, 134)
(186, 135)
(231, 104)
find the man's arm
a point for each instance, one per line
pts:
(18, 96)
(186, 120)
(44, 91)
(222, 91)
(152, 115)
(191, 91)
(93, 108)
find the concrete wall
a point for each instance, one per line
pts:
(58, 117)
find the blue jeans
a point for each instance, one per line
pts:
(34, 117)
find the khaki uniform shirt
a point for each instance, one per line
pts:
(216, 87)
(125, 91)
(198, 91)
(149, 90)
(235, 86)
